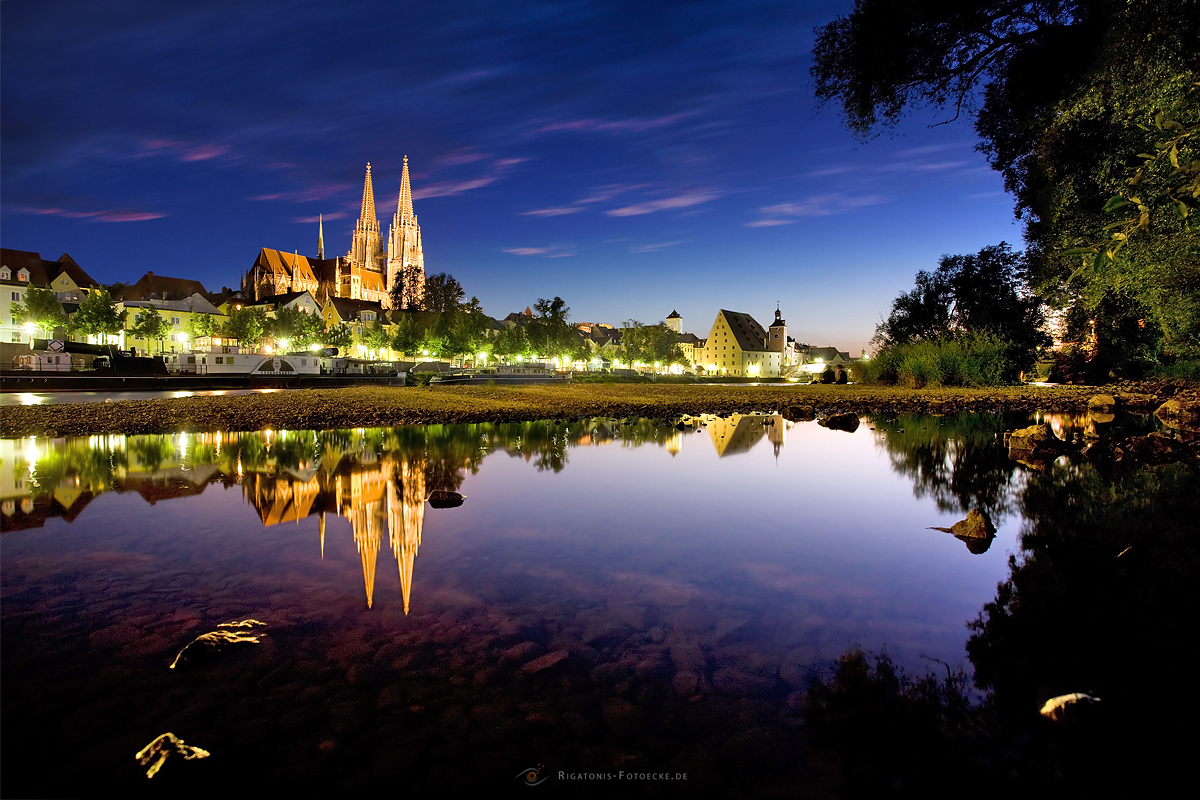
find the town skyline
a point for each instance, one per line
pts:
(630, 165)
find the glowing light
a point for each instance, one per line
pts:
(283, 343)
(30, 327)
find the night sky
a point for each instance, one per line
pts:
(631, 158)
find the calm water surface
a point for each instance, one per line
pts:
(611, 595)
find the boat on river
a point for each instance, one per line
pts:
(506, 374)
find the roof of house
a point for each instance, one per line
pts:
(689, 338)
(349, 309)
(282, 299)
(827, 354)
(42, 272)
(748, 334)
(674, 315)
(161, 287)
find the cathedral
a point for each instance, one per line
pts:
(366, 272)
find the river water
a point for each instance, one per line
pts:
(611, 596)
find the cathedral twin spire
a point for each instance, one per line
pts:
(404, 253)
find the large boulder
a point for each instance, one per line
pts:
(841, 422)
(976, 531)
(1102, 403)
(1030, 438)
(1135, 401)
(1181, 411)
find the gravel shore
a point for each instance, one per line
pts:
(323, 409)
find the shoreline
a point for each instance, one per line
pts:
(359, 407)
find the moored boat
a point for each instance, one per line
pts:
(507, 374)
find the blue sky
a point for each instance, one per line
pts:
(632, 158)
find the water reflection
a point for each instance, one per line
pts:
(613, 592)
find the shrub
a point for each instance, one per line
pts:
(975, 359)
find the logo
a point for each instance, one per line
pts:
(532, 776)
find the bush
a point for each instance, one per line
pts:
(977, 359)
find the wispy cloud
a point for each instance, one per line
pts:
(105, 215)
(561, 211)
(654, 248)
(686, 200)
(822, 205)
(552, 251)
(455, 187)
(613, 126)
(460, 157)
(318, 218)
(184, 151)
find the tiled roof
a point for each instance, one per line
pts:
(294, 266)
(42, 272)
(349, 309)
(164, 287)
(746, 330)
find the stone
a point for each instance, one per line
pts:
(1058, 708)
(1029, 438)
(155, 754)
(841, 422)
(545, 662)
(976, 531)
(1103, 403)
(799, 414)
(209, 645)
(1135, 401)
(1153, 449)
(440, 498)
(1181, 412)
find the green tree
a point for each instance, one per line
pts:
(203, 326)
(407, 334)
(247, 325)
(150, 326)
(41, 308)
(548, 332)
(407, 289)
(443, 294)
(511, 342)
(1063, 95)
(376, 338)
(340, 336)
(984, 292)
(99, 315)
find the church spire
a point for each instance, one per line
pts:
(368, 201)
(404, 206)
(320, 237)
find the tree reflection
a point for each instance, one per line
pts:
(959, 460)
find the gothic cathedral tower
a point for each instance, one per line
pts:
(365, 248)
(404, 253)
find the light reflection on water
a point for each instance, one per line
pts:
(706, 563)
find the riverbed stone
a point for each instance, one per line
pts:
(847, 421)
(1181, 411)
(1102, 402)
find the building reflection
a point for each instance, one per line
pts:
(377, 479)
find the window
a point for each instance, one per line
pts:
(174, 322)
(16, 337)
(5, 274)
(16, 296)
(23, 276)
(220, 360)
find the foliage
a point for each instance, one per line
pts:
(548, 333)
(247, 325)
(149, 325)
(203, 326)
(407, 334)
(407, 289)
(41, 308)
(973, 359)
(99, 315)
(340, 336)
(376, 338)
(1082, 105)
(511, 342)
(301, 329)
(443, 294)
(651, 344)
(967, 296)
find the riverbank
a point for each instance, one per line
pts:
(323, 409)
